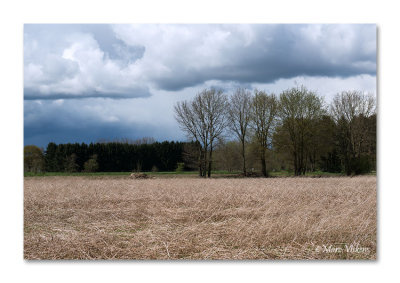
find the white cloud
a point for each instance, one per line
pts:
(58, 102)
(78, 68)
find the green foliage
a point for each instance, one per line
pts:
(301, 110)
(114, 157)
(361, 165)
(138, 167)
(91, 165)
(33, 159)
(180, 167)
(70, 164)
(82, 173)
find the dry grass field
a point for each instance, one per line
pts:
(225, 218)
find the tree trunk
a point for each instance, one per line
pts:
(295, 163)
(200, 163)
(301, 161)
(298, 165)
(347, 165)
(244, 158)
(210, 163)
(205, 163)
(263, 164)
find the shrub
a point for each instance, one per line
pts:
(91, 165)
(138, 167)
(70, 164)
(180, 167)
(33, 159)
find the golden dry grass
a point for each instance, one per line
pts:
(277, 218)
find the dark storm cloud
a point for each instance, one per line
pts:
(284, 51)
(83, 120)
(58, 131)
(33, 94)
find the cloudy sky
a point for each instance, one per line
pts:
(83, 83)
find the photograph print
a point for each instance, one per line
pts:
(200, 141)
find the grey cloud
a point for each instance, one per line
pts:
(126, 54)
(282, 51)
(33, 94)
(45, 121)
(102, 59)
(54, 96)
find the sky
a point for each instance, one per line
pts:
(85, 83)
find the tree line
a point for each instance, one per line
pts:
(296, 130)
(253, 132)
(117, 156)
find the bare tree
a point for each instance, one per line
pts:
(351, 104)
(264, 111)
(239, 118)
(351, 111)
(191, 125)
(204, 119)
(299, 110)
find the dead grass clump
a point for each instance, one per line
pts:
(251, 218)
(139, 176)
(250, 174)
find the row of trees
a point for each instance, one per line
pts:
(294, 131)
(117, 156)
(296, 127)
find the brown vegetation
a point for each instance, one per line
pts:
(139, 176)
(257, 218)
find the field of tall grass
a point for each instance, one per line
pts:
(70, 217)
